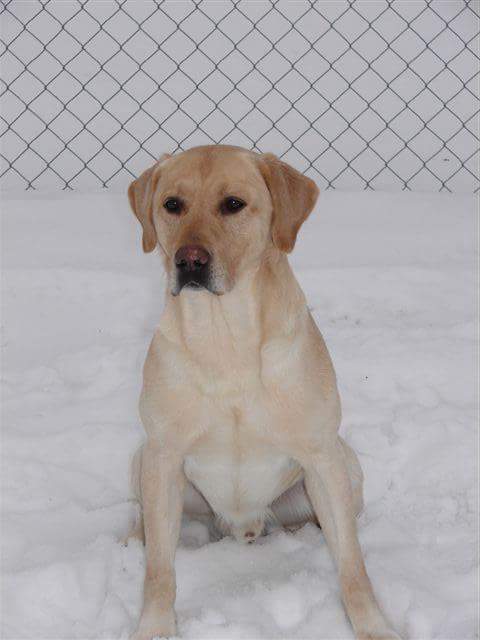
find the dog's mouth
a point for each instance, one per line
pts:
(193, 283)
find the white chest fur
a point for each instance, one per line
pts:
(238, 474)
(237, 384)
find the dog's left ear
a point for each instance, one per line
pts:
(140, 195)
(293, 197)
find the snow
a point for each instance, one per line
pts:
(390, 279)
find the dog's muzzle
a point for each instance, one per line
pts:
(192, 263)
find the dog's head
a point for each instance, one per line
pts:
(216, 210)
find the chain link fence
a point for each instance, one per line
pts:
(357, 94)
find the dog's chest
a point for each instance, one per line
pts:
(238, 474)
(237, 461)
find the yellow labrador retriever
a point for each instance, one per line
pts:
(239, 402)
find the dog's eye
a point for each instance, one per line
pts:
(173, 205)
(232, 205)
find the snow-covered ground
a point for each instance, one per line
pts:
(390, 279)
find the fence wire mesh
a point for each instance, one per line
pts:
(358, 94)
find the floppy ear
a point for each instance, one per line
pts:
(140, 195)
(293, 197)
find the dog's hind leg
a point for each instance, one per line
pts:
(293, 508)
(355, 474)
(137, 531)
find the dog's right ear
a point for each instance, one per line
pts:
(140, 195)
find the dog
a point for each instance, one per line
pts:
(239, 401)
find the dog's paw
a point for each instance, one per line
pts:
(163, 626)
(381, 634)
(155, 633)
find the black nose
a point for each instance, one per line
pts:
(191, 258)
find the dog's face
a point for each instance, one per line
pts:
(216, 210)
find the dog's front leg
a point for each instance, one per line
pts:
(162, 486)
(329, 488)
